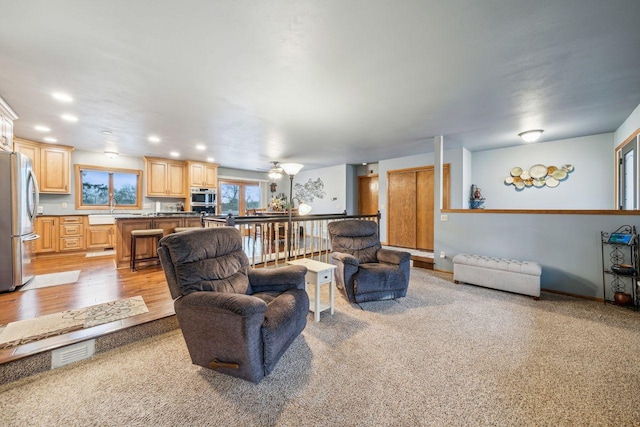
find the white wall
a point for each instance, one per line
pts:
(589, 186)
(628, 127)
(335, 185)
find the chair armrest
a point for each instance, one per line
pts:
(345, 258)
(277, 279)
(390, 256)
(243, 305)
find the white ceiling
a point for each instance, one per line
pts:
(319, 82)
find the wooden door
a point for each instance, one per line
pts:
(424, 209)
(368, 195)
(401, 201)
(413, 189)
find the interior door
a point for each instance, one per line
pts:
(401, 224)
(368, 195)
(424, 209)
(410, 202)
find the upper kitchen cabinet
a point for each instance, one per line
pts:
(51, 163)
(203, 175)
(165, 178)
(7, 116)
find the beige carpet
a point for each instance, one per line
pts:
(446, 355)
(52, 279)
(28, 330)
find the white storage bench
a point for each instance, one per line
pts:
(522, 277)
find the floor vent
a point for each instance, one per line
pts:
(72, 353)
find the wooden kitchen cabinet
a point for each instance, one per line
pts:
(100, 236)
(47, 230)
(203, 175)
(71, 232)
(7, 116)
(51, 164)
(165, 178)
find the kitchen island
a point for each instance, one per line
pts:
(166, 221)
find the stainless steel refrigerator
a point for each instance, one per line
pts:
(18, 207)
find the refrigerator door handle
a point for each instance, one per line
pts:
(31, 237)
(36, 201)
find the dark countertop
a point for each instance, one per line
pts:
(118, 217)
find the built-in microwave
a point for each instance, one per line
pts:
(203, 196)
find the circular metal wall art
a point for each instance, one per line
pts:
(538, 176)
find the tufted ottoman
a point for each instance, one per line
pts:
(522, 277)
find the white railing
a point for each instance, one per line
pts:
(267, 241)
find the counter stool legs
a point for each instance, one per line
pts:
(154, 234)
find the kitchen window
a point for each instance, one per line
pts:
(101, 188)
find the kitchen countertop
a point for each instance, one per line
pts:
(131, 215)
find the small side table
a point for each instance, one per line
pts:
(318, 274)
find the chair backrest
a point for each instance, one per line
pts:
(355, 237)
(206, 259)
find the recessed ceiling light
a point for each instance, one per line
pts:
(62, 97)
(111, 153)
(174, 154)
(69, 117)
(49, 139)
(364, 163)
(210, 159)
(154, 138)
(201, 147)
(41, 128)
(531, 135)
(106, 132)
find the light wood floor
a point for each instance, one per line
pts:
(99, 282)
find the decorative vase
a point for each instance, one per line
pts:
(622, 298)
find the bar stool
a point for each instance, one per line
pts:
(180, 229)
(151, 233)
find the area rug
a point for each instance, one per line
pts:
(101, 253)
(24, 331)
(52, 279)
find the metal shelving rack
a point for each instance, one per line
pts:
(625, 285)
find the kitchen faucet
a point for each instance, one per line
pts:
(112, 204)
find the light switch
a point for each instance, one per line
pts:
(444, 218)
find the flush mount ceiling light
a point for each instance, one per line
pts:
(106, 132)
(531, 135)
(276, 171)
(111, 153)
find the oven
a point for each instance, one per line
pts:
(201, 208)
(203, 200)
(203, 196)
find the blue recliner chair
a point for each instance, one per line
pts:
(235, 319)
(365, 271)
